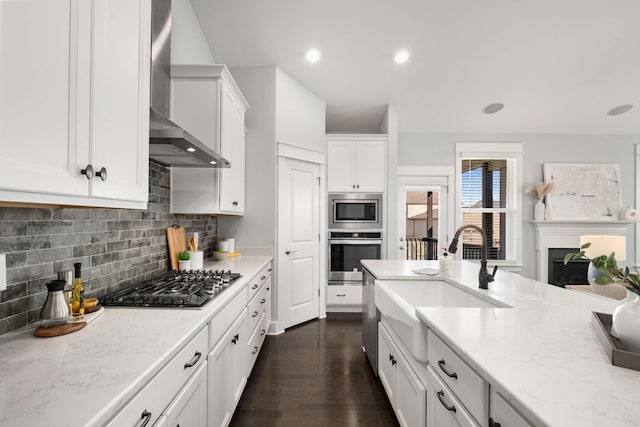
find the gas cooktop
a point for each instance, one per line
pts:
(193, 289)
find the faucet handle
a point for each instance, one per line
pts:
(491, 277)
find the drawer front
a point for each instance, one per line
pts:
(256, 307)
(443, 408)
(225, 317)
(468, 386)
(258, 280)
(159, 392)
(503, 413)
(344, 295)
(255, 342)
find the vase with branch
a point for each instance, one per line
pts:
(540, 192)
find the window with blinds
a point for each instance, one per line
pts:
(489, 199)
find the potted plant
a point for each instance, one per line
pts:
(626, 316)
(183, 261)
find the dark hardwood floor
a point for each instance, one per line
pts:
(315, 375)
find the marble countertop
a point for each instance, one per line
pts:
(542, 354)
(86, 377)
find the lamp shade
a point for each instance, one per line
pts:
(604, 245)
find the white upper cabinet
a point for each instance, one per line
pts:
(356, 164)
(208, 104)
(74, 92)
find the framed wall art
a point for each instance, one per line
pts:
(583, 191)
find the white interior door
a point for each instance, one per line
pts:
(298, 242)
(423, 212)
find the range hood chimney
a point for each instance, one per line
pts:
(168, 142)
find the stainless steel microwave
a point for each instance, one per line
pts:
(355, 211)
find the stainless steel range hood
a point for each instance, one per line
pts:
(169, 143)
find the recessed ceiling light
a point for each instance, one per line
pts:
(191, 149)
(401, 57)
(493, 108)
(620, 109)
(212, 162)
(313, 55)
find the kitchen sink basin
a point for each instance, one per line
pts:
(397, 301)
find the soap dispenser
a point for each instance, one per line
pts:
(445, 261)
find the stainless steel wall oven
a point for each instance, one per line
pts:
(355, 211)
(347, 248)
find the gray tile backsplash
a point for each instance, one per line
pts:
(117, 247)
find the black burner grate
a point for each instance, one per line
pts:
(174, 289)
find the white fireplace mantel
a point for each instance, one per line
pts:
(566, 234)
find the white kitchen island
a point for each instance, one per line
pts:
(87, 377)
(541, 355)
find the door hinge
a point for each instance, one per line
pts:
(318, 292)
(318, 237)
(318, 178)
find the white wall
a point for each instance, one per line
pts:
(439, 149)
(300, 115)
(256, 229)
(188, 44)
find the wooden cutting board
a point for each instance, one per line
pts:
(177, 243)
(54, 331)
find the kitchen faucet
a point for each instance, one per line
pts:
(483, 277)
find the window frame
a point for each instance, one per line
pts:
(512, 152)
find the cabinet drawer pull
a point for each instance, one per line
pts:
(144, 419)
(195, 359)
(392, 360)
(235, 338)
(255, 350)
(255, 313)
(451, 408)
(341, 295)
(493, 423)
(262, 301)
(263, 332)
(447, 373)
(255, 286)
(235, 203)
(87, 172)
(263, 277)
(269, 270)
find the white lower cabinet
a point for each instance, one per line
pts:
(189, 408)
(405, 390)
(443, 408)
(227, 372)
(166, 387)
(502, 414)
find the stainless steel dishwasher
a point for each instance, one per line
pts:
(370, 318)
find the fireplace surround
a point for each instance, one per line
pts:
(566, 234)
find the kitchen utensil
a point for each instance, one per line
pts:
(54, 331)
(193, 243)
(55, 309)
(177, 243)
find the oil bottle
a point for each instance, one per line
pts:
(77, 294)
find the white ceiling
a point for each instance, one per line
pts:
(557, 65)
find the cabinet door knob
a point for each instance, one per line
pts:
(87, 172)
(102, 174)
(353, 186)
(358, 186)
